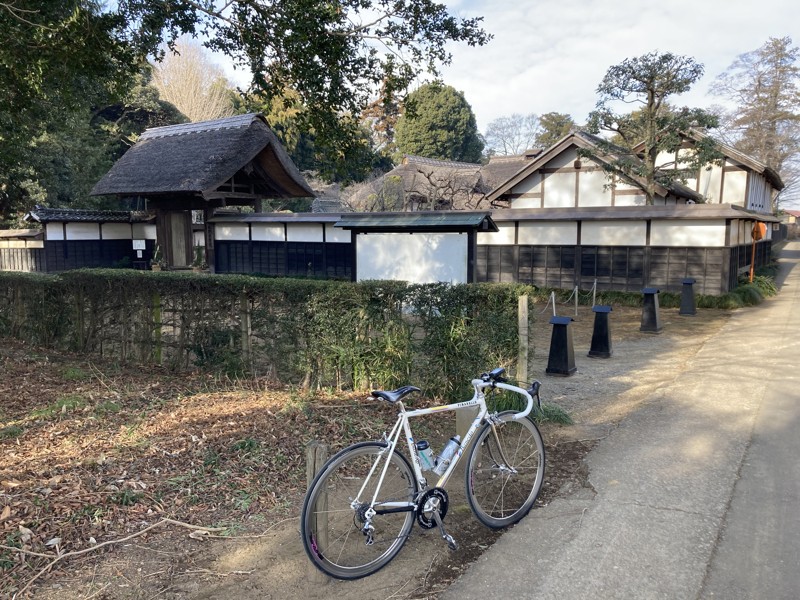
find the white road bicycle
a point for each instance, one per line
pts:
(361, 506)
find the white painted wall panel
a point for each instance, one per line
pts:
(143, 231)
(527, 202)
(83, 231)
(559, 190)
(714, 184)
(337, 235)
(676, 233)
(116, 231)
(302, 232)
(529, 184)
(417, 258)
(505, 236)
(592, 189)
(54, 231)
(630, 200)
(735, 188)
(565, 159)
(268, 232)
(555, 233)
(614, 233)
(232, 232)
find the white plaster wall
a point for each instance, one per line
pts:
(143, 231)
(34, 244)
(417, 258)
(268, 232)
(198, 239)
(591, 189)
(565, 159)
(630, 200)
(337, 235)
(116, 231)
(54, 231)
(614, 233)
(527, 202)
(83, 231)
(529, 184)
(735, 188)
(302, 232)
(505, 236)
(237, 232)
(551, 233)
(559, 190)
(700, 233)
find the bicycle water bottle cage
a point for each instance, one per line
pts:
(394, 395)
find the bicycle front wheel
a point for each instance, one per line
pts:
(505, 471)
(334, 512)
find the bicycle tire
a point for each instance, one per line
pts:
(331, 527)
(498, 496)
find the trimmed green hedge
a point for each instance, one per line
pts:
(297, 331)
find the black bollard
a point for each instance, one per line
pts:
(601, 336)
(650, 320)
(562, 355)
(687, 298)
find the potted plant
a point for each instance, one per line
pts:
(157, 262)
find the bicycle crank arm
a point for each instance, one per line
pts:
(451, 543)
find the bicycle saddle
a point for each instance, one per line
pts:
(395, 395)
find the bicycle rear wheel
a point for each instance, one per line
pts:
(505, 472)
(333, 517)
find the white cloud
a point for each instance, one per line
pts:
(549, 55)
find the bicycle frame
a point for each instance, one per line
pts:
(402, 426)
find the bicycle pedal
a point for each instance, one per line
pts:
(451, 543)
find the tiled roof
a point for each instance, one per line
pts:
(438, 220)
(42, 214)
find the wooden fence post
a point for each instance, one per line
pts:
(316, 457)
(522, 324)
(246, 332)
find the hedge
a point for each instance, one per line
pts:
(295, 331)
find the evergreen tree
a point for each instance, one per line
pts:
(648, 81)
(552, 127)
(439, 123)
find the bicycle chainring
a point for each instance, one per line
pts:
(439, 497)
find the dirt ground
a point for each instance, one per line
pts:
(227, 455)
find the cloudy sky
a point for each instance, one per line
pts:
(550, 55)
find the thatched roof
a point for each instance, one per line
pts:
(198, 158)
(425, 183)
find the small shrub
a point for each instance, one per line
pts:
(553, 414)
(126, 497)
(750, 294)
(62, 405)
(74, 374)
(10, 432)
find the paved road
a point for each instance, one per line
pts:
(695, 495)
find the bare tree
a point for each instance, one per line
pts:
(190, 81)
(765, 86)
(512, 135)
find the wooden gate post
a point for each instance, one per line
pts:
(316, 457)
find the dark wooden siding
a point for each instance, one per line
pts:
(79, 254)
(624, 268)
(292, 259)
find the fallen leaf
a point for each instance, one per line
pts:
(5, 514)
